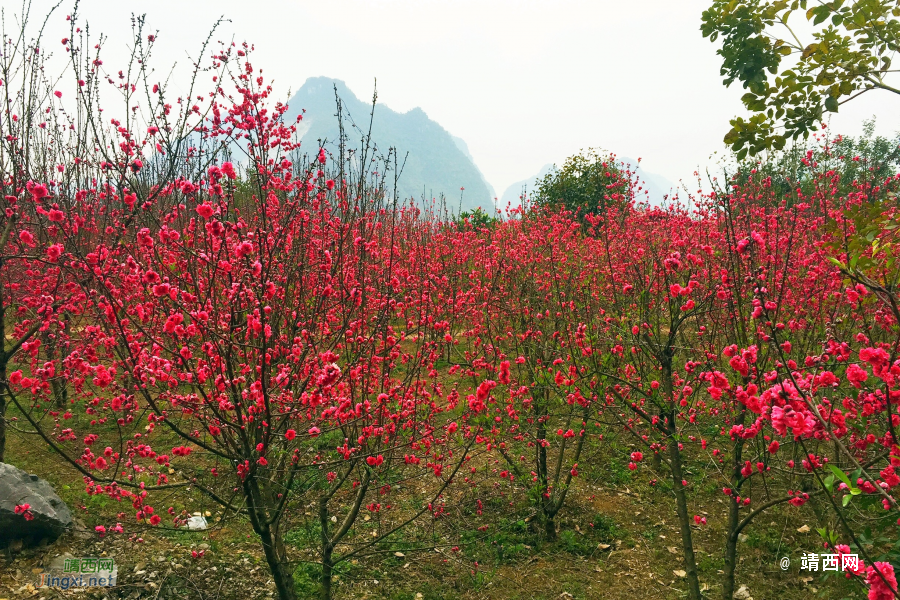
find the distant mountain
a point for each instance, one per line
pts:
(512, 196)
(657, 187)
(437, 163)
(464, 148)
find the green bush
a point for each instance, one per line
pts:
(589, 182)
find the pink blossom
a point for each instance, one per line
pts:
(228, 169)
(205, 210)
(881, 589)
(856, 375)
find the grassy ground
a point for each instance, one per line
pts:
(618, 540)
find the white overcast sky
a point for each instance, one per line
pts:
(523, 82)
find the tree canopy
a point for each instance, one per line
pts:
(587, 183)
(790, 82)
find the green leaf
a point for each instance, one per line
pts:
(829, 484)
(846, 500)
(831, 104)
(840, 475)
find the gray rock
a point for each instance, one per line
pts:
(742, 594)
(51, 515)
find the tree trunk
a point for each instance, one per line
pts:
(3, 425)
(327, 573)
(550, 527)
(3, 406)
(733, 514)
(690, 561)
(57, 385)
(671, 429)
(730, 551)
(275, 557)
(543, 476)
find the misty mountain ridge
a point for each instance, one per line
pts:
(437, 163)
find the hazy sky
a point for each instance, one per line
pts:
(523, 82)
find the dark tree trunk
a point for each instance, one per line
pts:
(275, 557)
(3, 424)
(327, 574)
(733, 515)
(57, 385)
(550, 527)
(730, 551)
(543, 476)
(270, 536)
(690, 561)
(3, 405)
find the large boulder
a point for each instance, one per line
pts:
(50, 515)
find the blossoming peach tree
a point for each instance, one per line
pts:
(252, 339)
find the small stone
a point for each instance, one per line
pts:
(742, 594)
